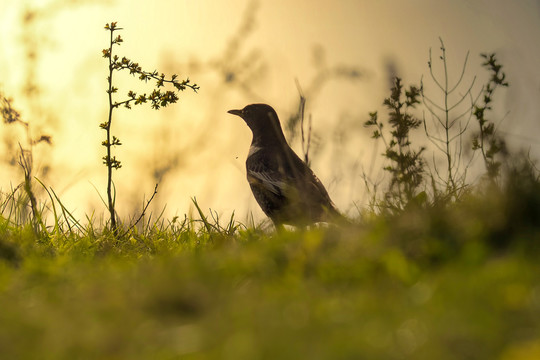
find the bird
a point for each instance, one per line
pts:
(285, 188)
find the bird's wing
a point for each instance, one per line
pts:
(284, 174)
(312, 188)
(269, 180)
(304, 176)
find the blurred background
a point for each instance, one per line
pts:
(342, 55)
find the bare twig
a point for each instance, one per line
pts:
(132, 226)
(301, 112)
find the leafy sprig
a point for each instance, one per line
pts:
(157, 99)
(486, 139)
(406, 164)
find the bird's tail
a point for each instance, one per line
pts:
(337, 218)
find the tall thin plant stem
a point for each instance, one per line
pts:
(110, 199)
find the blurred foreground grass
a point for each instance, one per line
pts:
(453, 282)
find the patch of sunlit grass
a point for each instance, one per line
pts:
(422, 284)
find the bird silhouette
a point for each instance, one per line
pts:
(286, 189)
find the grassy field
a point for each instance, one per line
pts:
(453, 282)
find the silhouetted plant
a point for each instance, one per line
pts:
(306, 138)
(450, 124)
(34, 42)
(9, 114)
(235, 67)
(157, 99)
(25, 159)
(293, 125)
(486, 139)
(447, 129)
(406, 164)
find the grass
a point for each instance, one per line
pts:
(424, 284)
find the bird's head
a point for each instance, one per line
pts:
(262, 120)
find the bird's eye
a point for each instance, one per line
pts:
(246, 112)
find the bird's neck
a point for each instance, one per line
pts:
(269, 134)
(269, 137)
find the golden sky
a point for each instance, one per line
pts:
(195, 148)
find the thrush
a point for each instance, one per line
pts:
(286, 189)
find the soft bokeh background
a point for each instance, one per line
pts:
(241, 51)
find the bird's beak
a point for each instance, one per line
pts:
(235, 112)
